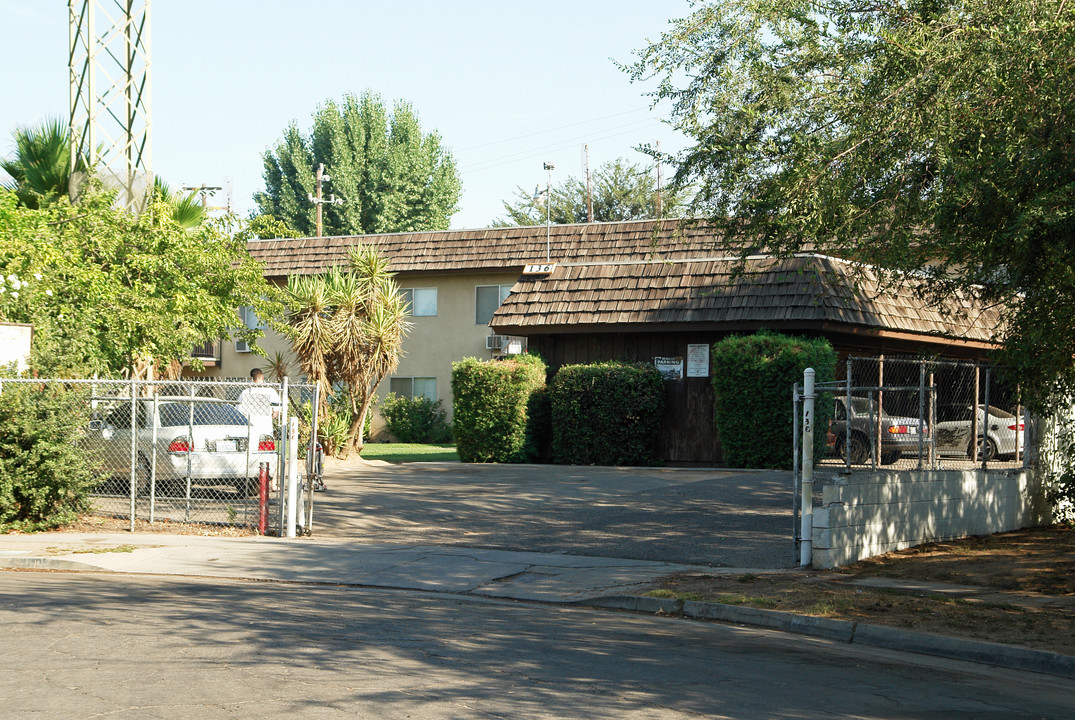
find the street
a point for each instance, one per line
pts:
(123, 646)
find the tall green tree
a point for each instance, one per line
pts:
(108, 291)
(933, 138)
(621, 191)
(387, 173)
(347, 329)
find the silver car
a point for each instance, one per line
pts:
(202, 440)
(1000, 434)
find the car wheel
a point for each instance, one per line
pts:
(987, 449)
(854, 451)
(143, 477)
(890, 457)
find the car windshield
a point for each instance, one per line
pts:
(178, 414)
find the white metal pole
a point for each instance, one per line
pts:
(806, 542)
(292, 476)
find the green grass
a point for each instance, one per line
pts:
(408, 452)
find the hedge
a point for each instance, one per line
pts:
(607, 413)
(416, 419)
(45, 474)
(491, 410)
(752, 383)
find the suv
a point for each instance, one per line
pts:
(851, 439)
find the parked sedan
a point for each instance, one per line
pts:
(207, 441)
(999, 435)
(851, 437)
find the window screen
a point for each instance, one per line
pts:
(422, 301)
(487, 298)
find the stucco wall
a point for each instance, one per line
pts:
(434, 343)
(872, 513)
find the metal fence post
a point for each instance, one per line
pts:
(281, 465)
(134, 446)
(921, 411)
(806, 543)
(985, 422)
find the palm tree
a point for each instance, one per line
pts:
(41, 169)
(186, 210)
(347, 329)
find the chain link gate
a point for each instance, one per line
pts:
(889, 414)
(193, 451)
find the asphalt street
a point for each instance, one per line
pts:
(124, 646)
(678, 515)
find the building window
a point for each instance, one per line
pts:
(487, 298)
(251, 321)
(422, 301)
(414, 387)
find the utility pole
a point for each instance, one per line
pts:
(205, 191)
(318, 201)
(660, 212)
(589, 187)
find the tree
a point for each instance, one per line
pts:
(108, 292)
(389, 176)
(347, 328)
(41, 169)
(932, 138)
(621, 191)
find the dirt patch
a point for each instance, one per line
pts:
(1025, 596)
(102, 524)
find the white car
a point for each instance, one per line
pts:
(1000, 434)
(207, 441)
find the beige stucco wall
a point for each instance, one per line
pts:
(434, 343)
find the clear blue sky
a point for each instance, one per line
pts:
(508, 85)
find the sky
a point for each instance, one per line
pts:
(507, 85)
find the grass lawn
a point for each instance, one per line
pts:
(407, 452)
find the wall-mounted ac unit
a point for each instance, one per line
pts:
(494, 342)
(505, 344)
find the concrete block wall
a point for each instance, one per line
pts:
(872, 513)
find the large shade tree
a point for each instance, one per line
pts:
(933, 138)
(387, 175)
(620, 190)
(347, 328)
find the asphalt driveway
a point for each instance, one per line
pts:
(683, 515)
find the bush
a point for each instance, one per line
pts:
(416, 419)
(752, 381)
(45, 475)
(606, 414)
(492, 408)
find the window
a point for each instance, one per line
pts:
(422, 301)
(414, 387)
(487, 298)
(251, 321)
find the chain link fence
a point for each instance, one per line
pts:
(913, 413)
(196, 451)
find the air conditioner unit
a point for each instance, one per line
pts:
(494, 342)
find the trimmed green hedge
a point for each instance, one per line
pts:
(416, 419)
(752, 382)
(45, 474)
(606, 414)
(491, 411)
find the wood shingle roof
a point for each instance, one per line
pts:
(812, 291)
(493, 248)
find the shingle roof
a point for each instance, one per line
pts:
(808, 291)
(493, 248)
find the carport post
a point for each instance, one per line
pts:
(806, 541)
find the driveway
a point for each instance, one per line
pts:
(682, 515)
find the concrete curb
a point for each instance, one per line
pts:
(44, 563)
(1006, 656)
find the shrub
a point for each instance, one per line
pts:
(752, 380)
(491, 411)
(416, 419)
(45, 474)
(606, 414)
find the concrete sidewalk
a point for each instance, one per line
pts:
(492, 573)
(611, 583)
